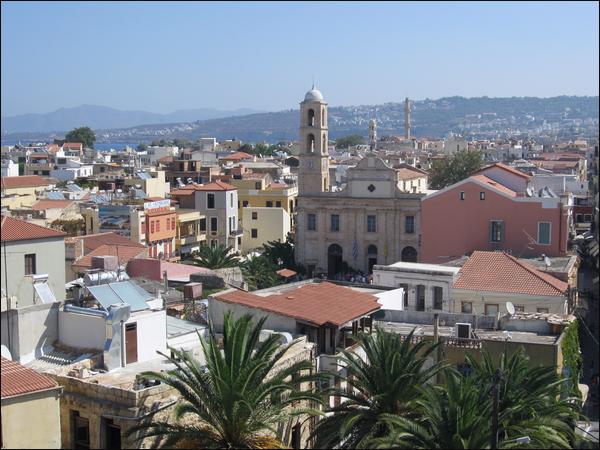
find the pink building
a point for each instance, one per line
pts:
(490, 211)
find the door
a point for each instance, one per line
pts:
(131, 355)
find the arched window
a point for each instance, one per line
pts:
(322, 117)
(310, 143)
(372, 250)
(311, 117)
(324, 148)
(409, 254)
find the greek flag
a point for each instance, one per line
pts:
(355, 250)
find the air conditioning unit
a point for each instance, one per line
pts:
(462, 330)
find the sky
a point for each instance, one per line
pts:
(162, 57)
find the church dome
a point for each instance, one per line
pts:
(314, 95)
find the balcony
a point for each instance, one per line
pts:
(237, 232)
(191, 239)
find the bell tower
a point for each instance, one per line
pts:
(313, 173)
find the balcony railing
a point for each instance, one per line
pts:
(236, 232)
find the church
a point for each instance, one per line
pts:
(372, 220)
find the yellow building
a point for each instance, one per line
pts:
(30, 408)
(262, 225)
(191, 231)
(259, 191)
(22, 191)
(153, 183)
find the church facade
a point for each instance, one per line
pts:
(370, 221)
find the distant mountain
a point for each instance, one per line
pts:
(543, 119)
(99, 117)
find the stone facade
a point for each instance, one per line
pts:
(370, 221)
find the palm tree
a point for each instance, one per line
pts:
(453, 415)
(217, 257)
(458, 414)
(385, 383)
(239, 398)
(259, 273)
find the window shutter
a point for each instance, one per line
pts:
(490, 231)
(501, 224)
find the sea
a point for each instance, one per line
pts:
(102, 146)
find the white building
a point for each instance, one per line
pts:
(154, 153)
(9, 168)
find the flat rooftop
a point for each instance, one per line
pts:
(405, 328)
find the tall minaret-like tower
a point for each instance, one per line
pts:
(407, 118)
(372, 135)
(313, 173)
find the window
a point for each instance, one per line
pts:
(269, 204)
(254, 233)
(519, 308)
(335, 222)
(491, 309)
(496, 231)
(466, 307)
(278, 204)
(152, 226)
(405, 287)
(210, 201)
(143, 227)
(30, 264)
(409, 224)
(168, 223)
(372, 224)
(312, 222)
(81, 431)
(112, 434)
(231, 202)
(214, 243)
(245, 203)
(438, 294)
(172, 223)
(258, 185)
(158, 225)
(482, 196)
(213, 224)
(462, 195)
(420, 297)
(254, 215)
(202, 224)
(543, 310)
(544, 233)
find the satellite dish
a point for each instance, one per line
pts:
(510, 308)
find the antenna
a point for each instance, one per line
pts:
(510, 308)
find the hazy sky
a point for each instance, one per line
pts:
(166, 56)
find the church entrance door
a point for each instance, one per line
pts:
(334, 260)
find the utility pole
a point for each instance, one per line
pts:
(495, 401)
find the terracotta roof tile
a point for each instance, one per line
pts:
(215, 186)
(19, 230)
(318, 303)
(500, 272)
(93, 241)
(24, 181)
(124, 253)
(50, 204)
(237, 156)
(505, 168)
(494, 184)
(285, 273)
(17, 379)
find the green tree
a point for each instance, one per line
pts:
(217, 257)
(281, 252)
(241, 396)
(458, 413)
(74, 227)
(259, 272)
(349, 141)
(85, 135)
(387, 382)
(452, 169)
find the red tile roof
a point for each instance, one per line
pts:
(73, 145)
(318, 303)
(24, 181)
(93, 241)
(505, 168)
(215, 186)
(17, 379)
(237, 156)
(500, 272)
(153, 269)
(286, 273)
(494, 184)
(124, 253)
(19, 230)
(50, 204)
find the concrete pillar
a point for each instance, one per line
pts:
(428, 297)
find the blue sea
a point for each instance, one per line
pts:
(102, 146)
